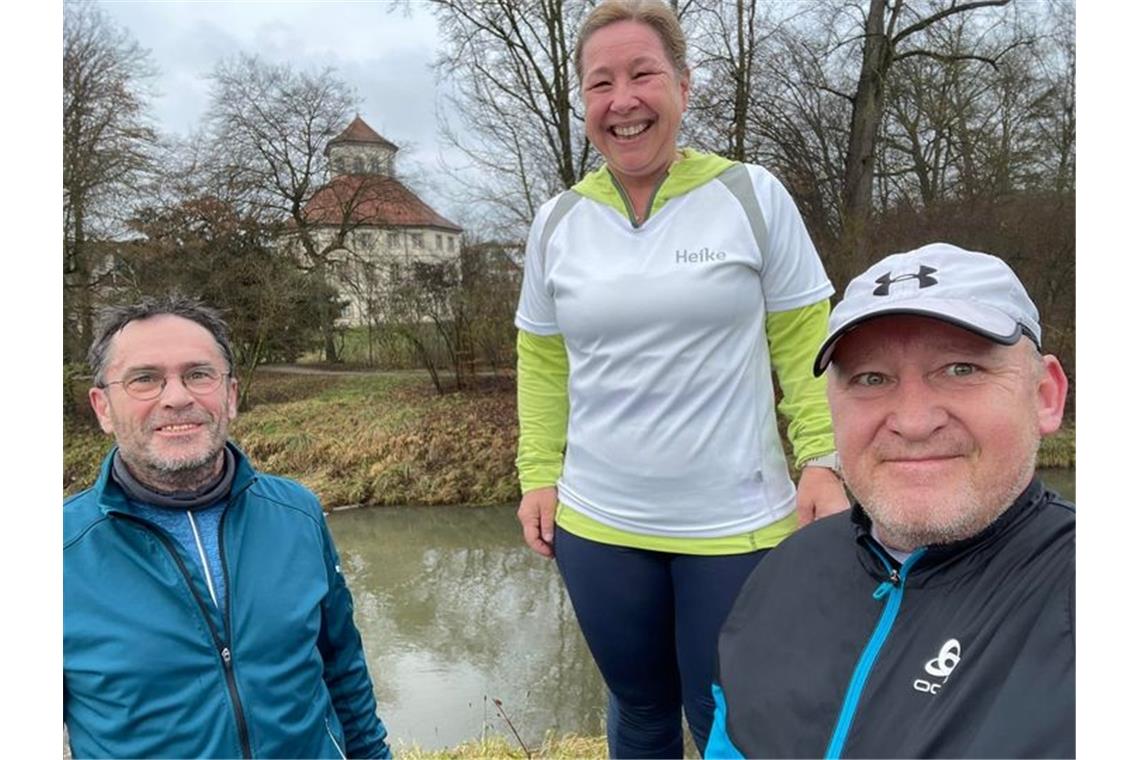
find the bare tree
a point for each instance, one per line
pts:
(490, 281)
(890, 33)
(1055, 60)
(796, 123)
(269, 125)
(205, 248)
(935, 121)
(510, 63)
(107, 143)
(920, 126)
(956, 126)
(827, 83)
(364, 280)
(726, 42)
(421, 308)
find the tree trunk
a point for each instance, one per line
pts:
(252, 361)
(968, 175)
(740, 100)
(81, 295)
(563, 89)
(866, 116)
(324, 311)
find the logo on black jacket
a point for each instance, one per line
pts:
(922, 275)
(940, 667)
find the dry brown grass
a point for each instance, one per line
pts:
(553, 747)
(1059, 449)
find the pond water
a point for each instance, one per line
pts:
(455, 612)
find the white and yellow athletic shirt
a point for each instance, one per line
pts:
(672, 425)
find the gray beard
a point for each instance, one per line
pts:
(177, 477)
(907, 538)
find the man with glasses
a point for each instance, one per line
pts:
(205, 612)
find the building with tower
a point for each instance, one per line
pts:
(379, 229)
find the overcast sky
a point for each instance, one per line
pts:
(385, 53)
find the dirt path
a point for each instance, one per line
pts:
(304, 369)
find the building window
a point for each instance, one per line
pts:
(358, 165)
(417, 239)
(451, 245)
(364, 239)
(393, 239)
(439, 242)
(375, 164)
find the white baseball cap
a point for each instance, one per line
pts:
(974, 291)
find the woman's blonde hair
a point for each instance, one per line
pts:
(653, 13)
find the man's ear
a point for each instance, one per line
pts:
(102, 407)
(1052, 388)
(232, 397)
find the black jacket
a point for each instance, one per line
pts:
(967, 650)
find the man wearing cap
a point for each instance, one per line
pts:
(936, 618)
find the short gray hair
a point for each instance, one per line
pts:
(113, 319)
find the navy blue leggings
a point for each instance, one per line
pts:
(651, 620)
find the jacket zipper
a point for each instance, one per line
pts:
(202, 558)
(334, 741)
(892, 588)
(222, 649)
(243, 730)
(629, 209)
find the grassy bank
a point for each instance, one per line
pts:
(567, 747)
(384, 439)
(373, 439)
(1059, 450)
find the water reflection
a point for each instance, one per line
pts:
(455, 611)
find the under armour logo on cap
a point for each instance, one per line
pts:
(923, 277)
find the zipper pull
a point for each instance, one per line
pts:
(226, 657)
(886, 586)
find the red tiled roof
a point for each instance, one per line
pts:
(360, 132)
(373, 199)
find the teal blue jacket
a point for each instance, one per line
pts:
(151, 668)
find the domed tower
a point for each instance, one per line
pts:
(360, 150)
(366, 210)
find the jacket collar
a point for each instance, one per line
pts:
(956, 553)
(111, 498)
(692, 171)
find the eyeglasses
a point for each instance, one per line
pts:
(145, 386)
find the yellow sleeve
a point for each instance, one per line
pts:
(543, 407)
(794, 337)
